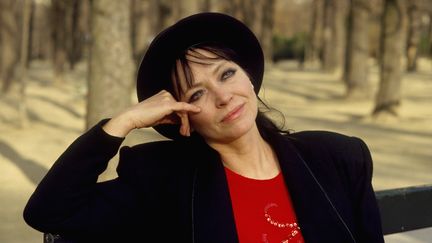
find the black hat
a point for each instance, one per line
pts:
(154, 73)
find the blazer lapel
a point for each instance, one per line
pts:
(318, 219)
(213, 218)
(212, 210)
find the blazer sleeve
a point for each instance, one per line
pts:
(69, 201)
(366, 208)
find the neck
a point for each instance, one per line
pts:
(249, 155)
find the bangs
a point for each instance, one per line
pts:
(181, 65)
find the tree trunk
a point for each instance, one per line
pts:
(414, 32)
(177, 10)
(316, 33)
(328, 55)
(259, 17)
(83, 29)
(59, 38)
(111, 66)
(25, 28)
(233, 8)
(160, 11)
(266, 34)
(334, 35)
(430, 35)
(356, 69)
(392, 46)
(10, 41)
(205, 5)
(41, 32)
(141, 32)
(75, 35)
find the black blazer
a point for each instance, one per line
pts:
(176, 191)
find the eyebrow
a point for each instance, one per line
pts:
(219, 66)
(214, 72)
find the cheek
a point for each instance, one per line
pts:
(245, 85)
(199, 120)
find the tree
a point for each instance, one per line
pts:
(78, 22)
(392, 46)
(25, 30)
(266, 33)
(83, 40)
(335, 13)
(41, 41)
(430, 34)
(160, 11)
(258, 16)
(141, 31)
(60, 40)
(205, 5)
(414, 33)
(316, 32)
(10, 41)
(356, 66)
(111, 66)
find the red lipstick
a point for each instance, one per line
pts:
(234, 114)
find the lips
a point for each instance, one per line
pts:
(233, 114)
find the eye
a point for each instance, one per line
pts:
(227, 74)
(195, 96)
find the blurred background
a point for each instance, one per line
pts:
(358, 67)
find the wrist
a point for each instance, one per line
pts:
(118, 126)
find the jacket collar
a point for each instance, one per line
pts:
(318, 218)
(213, 219)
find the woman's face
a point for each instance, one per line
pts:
(225, 94)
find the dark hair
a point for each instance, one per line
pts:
(267, 126)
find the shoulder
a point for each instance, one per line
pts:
(325, 151)
(328, 142)
(319, 137)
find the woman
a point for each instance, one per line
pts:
(228, 175)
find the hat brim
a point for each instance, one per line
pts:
(154, 73)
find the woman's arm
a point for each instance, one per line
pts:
(161, 108)
(69, 200)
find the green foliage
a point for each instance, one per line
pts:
(424, 47)
(289, 48)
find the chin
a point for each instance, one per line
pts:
(235, 132)
(230, 132)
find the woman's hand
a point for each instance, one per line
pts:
(161, 108)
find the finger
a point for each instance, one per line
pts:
(188, 125)
(184, 121)
(172, 118)
(166, 120)
(185, 124)
(183, 106)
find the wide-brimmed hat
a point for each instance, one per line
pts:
(154, 73)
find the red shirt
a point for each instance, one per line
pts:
(263, 211)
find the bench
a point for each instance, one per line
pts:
(402, 209)
(405, 209)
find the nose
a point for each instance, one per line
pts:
(222, 96)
